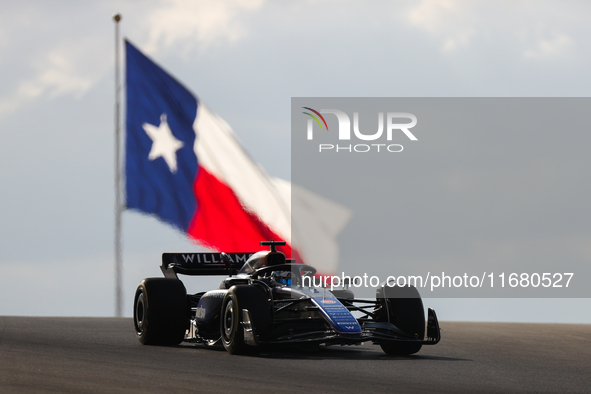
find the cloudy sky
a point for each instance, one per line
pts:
(245, 59)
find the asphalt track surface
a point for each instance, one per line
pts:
(102, 355)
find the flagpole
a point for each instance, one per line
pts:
(118, 207)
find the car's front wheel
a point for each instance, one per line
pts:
(231, 330)
(402, 306)
(238, 298)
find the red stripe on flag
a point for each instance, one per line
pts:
(222, 223)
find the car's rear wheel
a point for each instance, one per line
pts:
(161, 311)
(402, 306)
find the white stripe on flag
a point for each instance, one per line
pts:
(220, 153)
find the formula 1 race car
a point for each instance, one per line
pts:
(264, 301)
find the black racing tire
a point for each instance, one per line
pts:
(402, 306)
(231, 330)
(240, 297)
(161, 311)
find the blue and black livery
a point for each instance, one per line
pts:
(263, 302)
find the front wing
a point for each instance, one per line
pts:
(377, 332)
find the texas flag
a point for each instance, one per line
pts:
(185, 166)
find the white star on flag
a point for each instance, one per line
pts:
(164, 144)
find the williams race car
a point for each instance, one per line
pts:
(269, 300)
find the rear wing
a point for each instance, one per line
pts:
(202, 263)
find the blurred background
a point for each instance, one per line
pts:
(245, 59)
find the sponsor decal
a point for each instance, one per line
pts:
(214, 258)
(200, 312)
(215, 294)
(338, 316)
